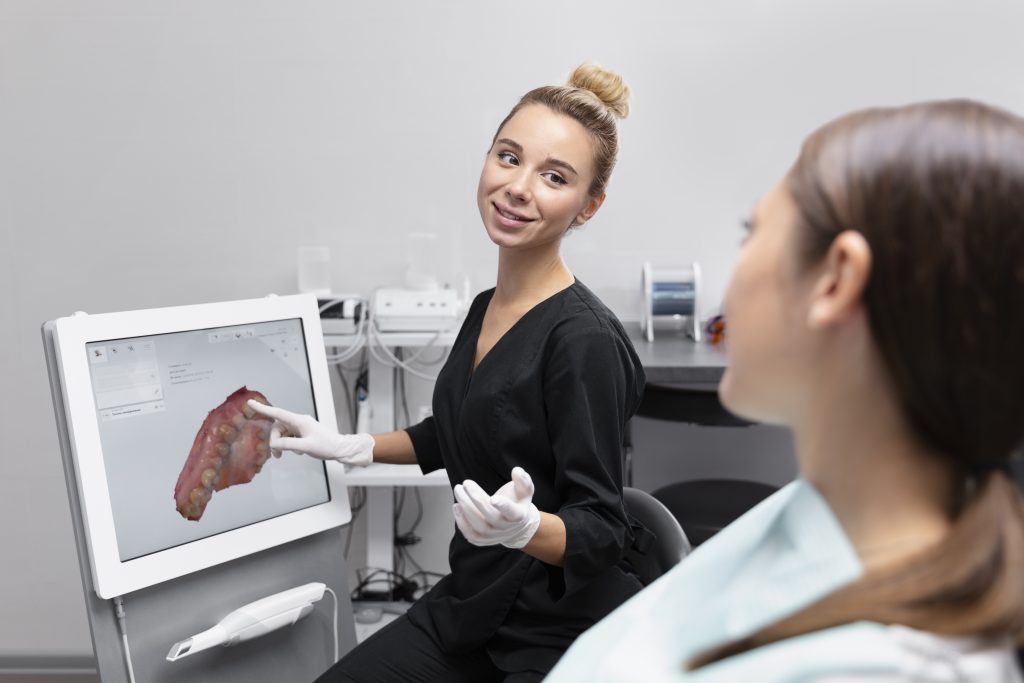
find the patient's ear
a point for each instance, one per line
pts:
(837, 293)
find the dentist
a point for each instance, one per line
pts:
(529, 413)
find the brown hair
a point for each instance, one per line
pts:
(595, 98)
(937, 190)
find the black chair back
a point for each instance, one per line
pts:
(704, 507)
(670, 544)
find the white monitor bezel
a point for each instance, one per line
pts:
(111, 576)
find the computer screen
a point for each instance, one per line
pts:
(171, 467)
(154, 395)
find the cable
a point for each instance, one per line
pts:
(376, 343)
(394, 393)
(350, 390)
(433, 340)
(398, 587)
(404, 551)
(409, 538)
(358, 493)
(361, 384)
(403, 393)
(427, 585)
(335, 596)
(358, 339)
(347, 393)
(329, 304)
(398, 503)
(368, 334)
(119, 611)
(419, 510)
(398, 496)
(445, 350)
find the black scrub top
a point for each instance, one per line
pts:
(552, 396)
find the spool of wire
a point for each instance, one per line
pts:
(671, 294)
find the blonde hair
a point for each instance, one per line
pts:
(595, 98)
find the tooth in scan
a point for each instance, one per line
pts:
(231, 447)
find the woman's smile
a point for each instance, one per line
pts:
(510, 218)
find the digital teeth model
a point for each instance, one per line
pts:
(231, 447)
(253, 620)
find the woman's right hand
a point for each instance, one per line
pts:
(303, 434)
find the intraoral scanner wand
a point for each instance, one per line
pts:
(253, 620)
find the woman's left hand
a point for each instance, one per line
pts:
(509, 517)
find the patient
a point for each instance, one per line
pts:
(877, 309)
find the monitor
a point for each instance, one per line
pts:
(172, 468)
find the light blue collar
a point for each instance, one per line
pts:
(786, 553)
(783, 555)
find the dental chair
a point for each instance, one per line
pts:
(656, 555)
(706, 506)
(702, 506)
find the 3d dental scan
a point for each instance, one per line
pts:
(231, 448)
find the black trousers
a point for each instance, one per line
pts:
(402, 652)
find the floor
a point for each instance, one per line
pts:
(50, 678)
(389, 611)
(363, 631)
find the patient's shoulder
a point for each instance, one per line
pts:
(924, 657)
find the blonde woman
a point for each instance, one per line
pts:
(529, 412)
(877, 309)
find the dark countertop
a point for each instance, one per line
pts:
(674, 358)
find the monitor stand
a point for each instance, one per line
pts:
(159, 616)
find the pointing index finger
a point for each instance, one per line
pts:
(279, 414)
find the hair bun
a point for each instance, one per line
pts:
(606, 85)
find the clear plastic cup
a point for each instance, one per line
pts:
(315, 270)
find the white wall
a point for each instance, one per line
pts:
(156, 153)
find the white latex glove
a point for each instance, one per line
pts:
(303, 434)
(509, 517)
